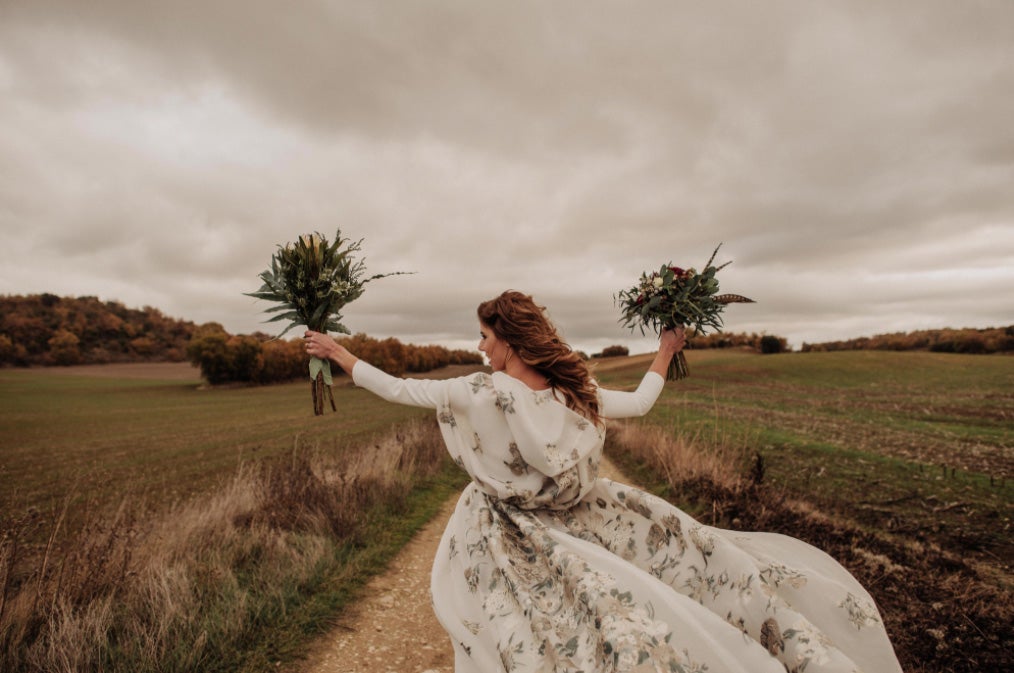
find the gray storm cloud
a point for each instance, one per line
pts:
(855, 158)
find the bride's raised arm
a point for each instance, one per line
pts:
(670, 343)
(413, 392)
(623, 404)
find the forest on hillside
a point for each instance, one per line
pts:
(47, 330)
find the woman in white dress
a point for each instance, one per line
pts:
(544, 567)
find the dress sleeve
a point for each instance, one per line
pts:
(413, 392)
(622, 404)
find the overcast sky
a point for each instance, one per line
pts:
(856, 159)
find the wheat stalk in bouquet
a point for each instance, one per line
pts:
(675, 297)
(312, 280)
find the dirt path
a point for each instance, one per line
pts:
(393, 629)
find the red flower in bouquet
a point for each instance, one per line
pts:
(673, 297)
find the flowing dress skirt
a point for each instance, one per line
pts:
(625, 581)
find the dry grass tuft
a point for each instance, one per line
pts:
(185, 590)
(681, 460)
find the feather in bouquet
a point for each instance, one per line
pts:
(674, 297)
(312, 280)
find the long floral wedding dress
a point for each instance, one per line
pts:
(545, 567)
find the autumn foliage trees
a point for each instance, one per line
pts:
(50, 330)
(765, 343)
(45, 329)
(762, 343)
(973, 341)
(968, 340)
(224, 358)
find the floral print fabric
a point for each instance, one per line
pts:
(544, 567)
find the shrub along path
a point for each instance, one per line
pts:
(392, 629)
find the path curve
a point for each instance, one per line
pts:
(392, 628)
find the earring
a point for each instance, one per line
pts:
(510, 353)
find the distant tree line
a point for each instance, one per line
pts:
(47, 330)
(968, 340)
(44, 329)
(762, 343)
(974, 341)
(226, 358)
(612, 352)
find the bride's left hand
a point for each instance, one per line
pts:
(673, 340)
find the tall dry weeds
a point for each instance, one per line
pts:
(186, 589)
(680, 459)
(713, 476)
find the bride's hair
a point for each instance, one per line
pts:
(515, 318)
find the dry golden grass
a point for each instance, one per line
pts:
(187, 589)
(679, 459)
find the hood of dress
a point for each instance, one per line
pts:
(550, 437)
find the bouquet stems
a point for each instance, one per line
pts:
(320, 385)
(319, 389)
(678, 368)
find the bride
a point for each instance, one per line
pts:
(545, 567)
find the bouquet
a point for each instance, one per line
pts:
(312, 280)
(674, 297)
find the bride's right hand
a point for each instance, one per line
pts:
(322, 346)
(319, 345)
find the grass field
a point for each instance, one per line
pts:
(104, 432)
(904, 463)
(918, 443)
(217, 530)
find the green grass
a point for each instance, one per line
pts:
(921, 443)
(161, 441)
(859, 429)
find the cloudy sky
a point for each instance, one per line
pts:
(855, 159)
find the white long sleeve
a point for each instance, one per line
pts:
(432, 393)
(623, 404)
(414, 392)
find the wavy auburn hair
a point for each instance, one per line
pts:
(516, 319)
